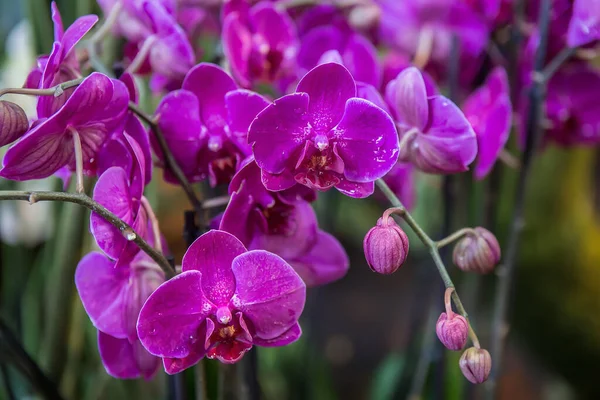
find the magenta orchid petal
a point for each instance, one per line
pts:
(102, 289)
(112, 191)
(249, 175)
(318, 41)
(584, 26)
(212, 255)
(356, 189)
(277, 182)
(370, 93)
(328, 86)
(360, 57)
(242, 107)
(279, 130)
(276, 26)
(235, 218)
(269, 293)
(176, 365)
(77, 31)
(237, 47)
(287, 337)
(489, 111)
(39, 154)
(178, 116)
(170, 319)
(118, 357)
(124, 359)
(450, 128)
(291, 232)
(210, 84)
(324, 263)
(368, 143)
(407, 95)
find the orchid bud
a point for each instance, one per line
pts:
(452, 329)
(475, 364)
(479, 251)
(385, 246)
(13, 122)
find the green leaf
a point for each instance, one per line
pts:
(386, 377)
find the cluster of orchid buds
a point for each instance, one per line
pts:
(303, 99)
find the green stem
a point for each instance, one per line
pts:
(170, 161)
(53, 91)
(433, 251)
(87, 202)
(455, 236)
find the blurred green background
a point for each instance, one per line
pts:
(364, 334)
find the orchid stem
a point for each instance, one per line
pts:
(170, 161)
(53, 91)
(83, 200)
(533, 136)
(455, 236)
(433, 250)
(102, 31)
(140, 57)
(78, 161)
(154, 221)
(553, 66)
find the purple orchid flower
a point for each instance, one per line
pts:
(434, 134)
(226, 300)
(206, 124)
(489, 111)
(96, 110)
(283, 223)
(261, 44)
(584, 26)
(112, 297)
(62, 64)
(323, 136)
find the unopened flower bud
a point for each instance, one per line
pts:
(385, 246)
(13, 122)
(452, 329)
(475, 364)
(477, 252)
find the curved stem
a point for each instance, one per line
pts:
(86, 201)
(141, 55)
(455, 236)
(170, 161)
(448, 302)
(53, 91)
(433, 251)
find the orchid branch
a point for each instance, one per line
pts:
(87, 202)
(170, 161)
(53, 91)
(455, 236)
(432, 248)
(533, 136)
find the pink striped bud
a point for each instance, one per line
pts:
(477, 252)
(475, 364)
(385, 246)
(452, 331)
(13, 122)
